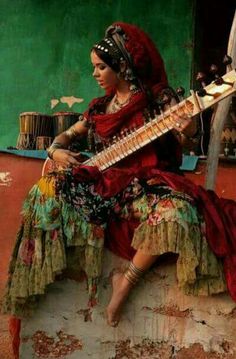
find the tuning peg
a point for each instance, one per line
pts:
(165, 100)
(180, 92)
(218, 79)
(122, 134)
(201, 78)
(162, 101)
(127, 131)
(108, 142)
(104, 145)
(202, 92)
(214, 71)
(227, 61)
(146, 115)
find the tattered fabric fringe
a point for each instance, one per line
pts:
(198, 271)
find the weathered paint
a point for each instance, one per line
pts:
(157, 318)
(5, 179)
(45, 47)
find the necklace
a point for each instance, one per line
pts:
(120, 103)
(116, 105)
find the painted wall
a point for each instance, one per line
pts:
(158, 321)
(45, 48)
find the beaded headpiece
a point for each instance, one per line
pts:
(109, 52)
(112, 51)
(126, 42)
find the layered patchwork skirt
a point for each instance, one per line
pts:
(64, 225)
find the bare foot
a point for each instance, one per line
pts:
(120, 290)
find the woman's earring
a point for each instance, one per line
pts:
(128, 74)
(133, 88)
(120, 75)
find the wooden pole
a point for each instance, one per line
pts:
(219, 115)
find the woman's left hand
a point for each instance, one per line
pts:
(66, 158)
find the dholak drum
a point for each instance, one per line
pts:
(43, 142)
(63, 120)
(32, 125)
(25, 141)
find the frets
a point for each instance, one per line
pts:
(137, 138)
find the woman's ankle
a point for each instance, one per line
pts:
(121, 288)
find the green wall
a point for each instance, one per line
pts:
(45, 46)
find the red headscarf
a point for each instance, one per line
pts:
(147, 61)
(149, 70)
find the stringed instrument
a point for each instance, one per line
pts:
(135, 139)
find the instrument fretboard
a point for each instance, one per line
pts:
(135, 139)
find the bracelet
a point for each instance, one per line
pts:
(71, 133)
(54, 146)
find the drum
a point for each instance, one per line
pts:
(32, 125)
(63, 120)
(25, 141)
(43, 142)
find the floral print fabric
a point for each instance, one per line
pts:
(63, 226)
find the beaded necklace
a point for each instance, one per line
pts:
(115, 105)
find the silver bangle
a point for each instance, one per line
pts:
(71, 132)
(54, 146)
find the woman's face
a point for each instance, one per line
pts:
(105, 76)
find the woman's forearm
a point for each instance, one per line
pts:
(63, 140)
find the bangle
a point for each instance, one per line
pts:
(71, 132)
(54, 146)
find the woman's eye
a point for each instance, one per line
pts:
(102, 67)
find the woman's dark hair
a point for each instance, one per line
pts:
(106, 57)
(108, 51)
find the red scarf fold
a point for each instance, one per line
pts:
(129, 116)
(107, 125)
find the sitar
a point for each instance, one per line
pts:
(173, 118)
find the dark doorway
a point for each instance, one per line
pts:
(213, 21)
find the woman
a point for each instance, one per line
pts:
(140, 205)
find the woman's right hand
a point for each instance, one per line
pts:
(66, 157)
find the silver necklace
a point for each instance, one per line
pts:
(115, 105)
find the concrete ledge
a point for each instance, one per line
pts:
(159, 321)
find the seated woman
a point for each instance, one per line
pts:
(140, 207)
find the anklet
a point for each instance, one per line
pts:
(133, 274)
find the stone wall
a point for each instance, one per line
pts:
(158, 321)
